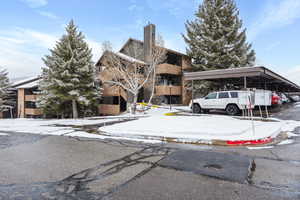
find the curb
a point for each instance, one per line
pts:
(250, 142)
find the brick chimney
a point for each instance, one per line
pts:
(149, 41)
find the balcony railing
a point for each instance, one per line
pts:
(114, 91)
(33, 111)
(31, 97)
(167, 90)
(168, 69)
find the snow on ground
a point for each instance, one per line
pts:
(156, 124)
(49, 127)
(46, 127)
(289, 141)
(196, 128)
(95, 136)
(258, 148)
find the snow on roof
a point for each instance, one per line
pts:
(129, 58)
(29, 85)
(21, 81)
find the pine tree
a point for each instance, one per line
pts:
(215, 38)
(5, 92)
(68, 80)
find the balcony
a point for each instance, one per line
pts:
(106, 109)
(167, 90)
(33, 111)
(109, 91)
(31, 97)
(168, 69)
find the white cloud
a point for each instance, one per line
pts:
(96, 48)
(293, 74)
(50, 15)
(21, 50)
(35, 3)
(275, 16)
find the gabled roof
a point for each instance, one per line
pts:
(141, 42)
(29, 85)
(24, 81)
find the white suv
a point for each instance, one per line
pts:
(230, 101)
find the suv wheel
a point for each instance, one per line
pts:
(232, 110)
(196, 108)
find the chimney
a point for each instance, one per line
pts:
(149, 41)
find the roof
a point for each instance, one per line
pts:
(23, 81)
(259, 71)
(141, 42)
(123, 56)
(129, 58)
(28, 85)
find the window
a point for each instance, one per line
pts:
(234, 94)
(211, 96)
(223, 95)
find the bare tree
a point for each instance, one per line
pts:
(158, 56)
(127, 72)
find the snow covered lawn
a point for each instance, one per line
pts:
(156, 125)
(199, 128)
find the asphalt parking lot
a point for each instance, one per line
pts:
(54, 167)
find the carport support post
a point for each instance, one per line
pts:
(245, 82)
(193, 96)
(266, 107)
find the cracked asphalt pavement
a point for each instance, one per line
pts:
(57, 167)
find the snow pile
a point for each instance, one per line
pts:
(297, 105)
(3, 134)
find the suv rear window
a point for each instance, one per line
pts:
(223, 95)
(234, 94)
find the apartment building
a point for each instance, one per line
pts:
(170, 88)
(27, 96)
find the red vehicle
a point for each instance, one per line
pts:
(276, 100)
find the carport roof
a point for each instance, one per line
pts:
(259, 72)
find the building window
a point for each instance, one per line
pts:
(174, 59)
(30, 104)
(110, 100)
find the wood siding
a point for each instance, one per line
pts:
(186, 63)
(165, 90)
(168, 69)
(21, 103)
(105, 109)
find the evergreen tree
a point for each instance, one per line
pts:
(215, 39)
(5, 92)
(68, 80)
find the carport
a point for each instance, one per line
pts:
(246, 77)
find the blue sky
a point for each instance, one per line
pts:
(28, 28)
